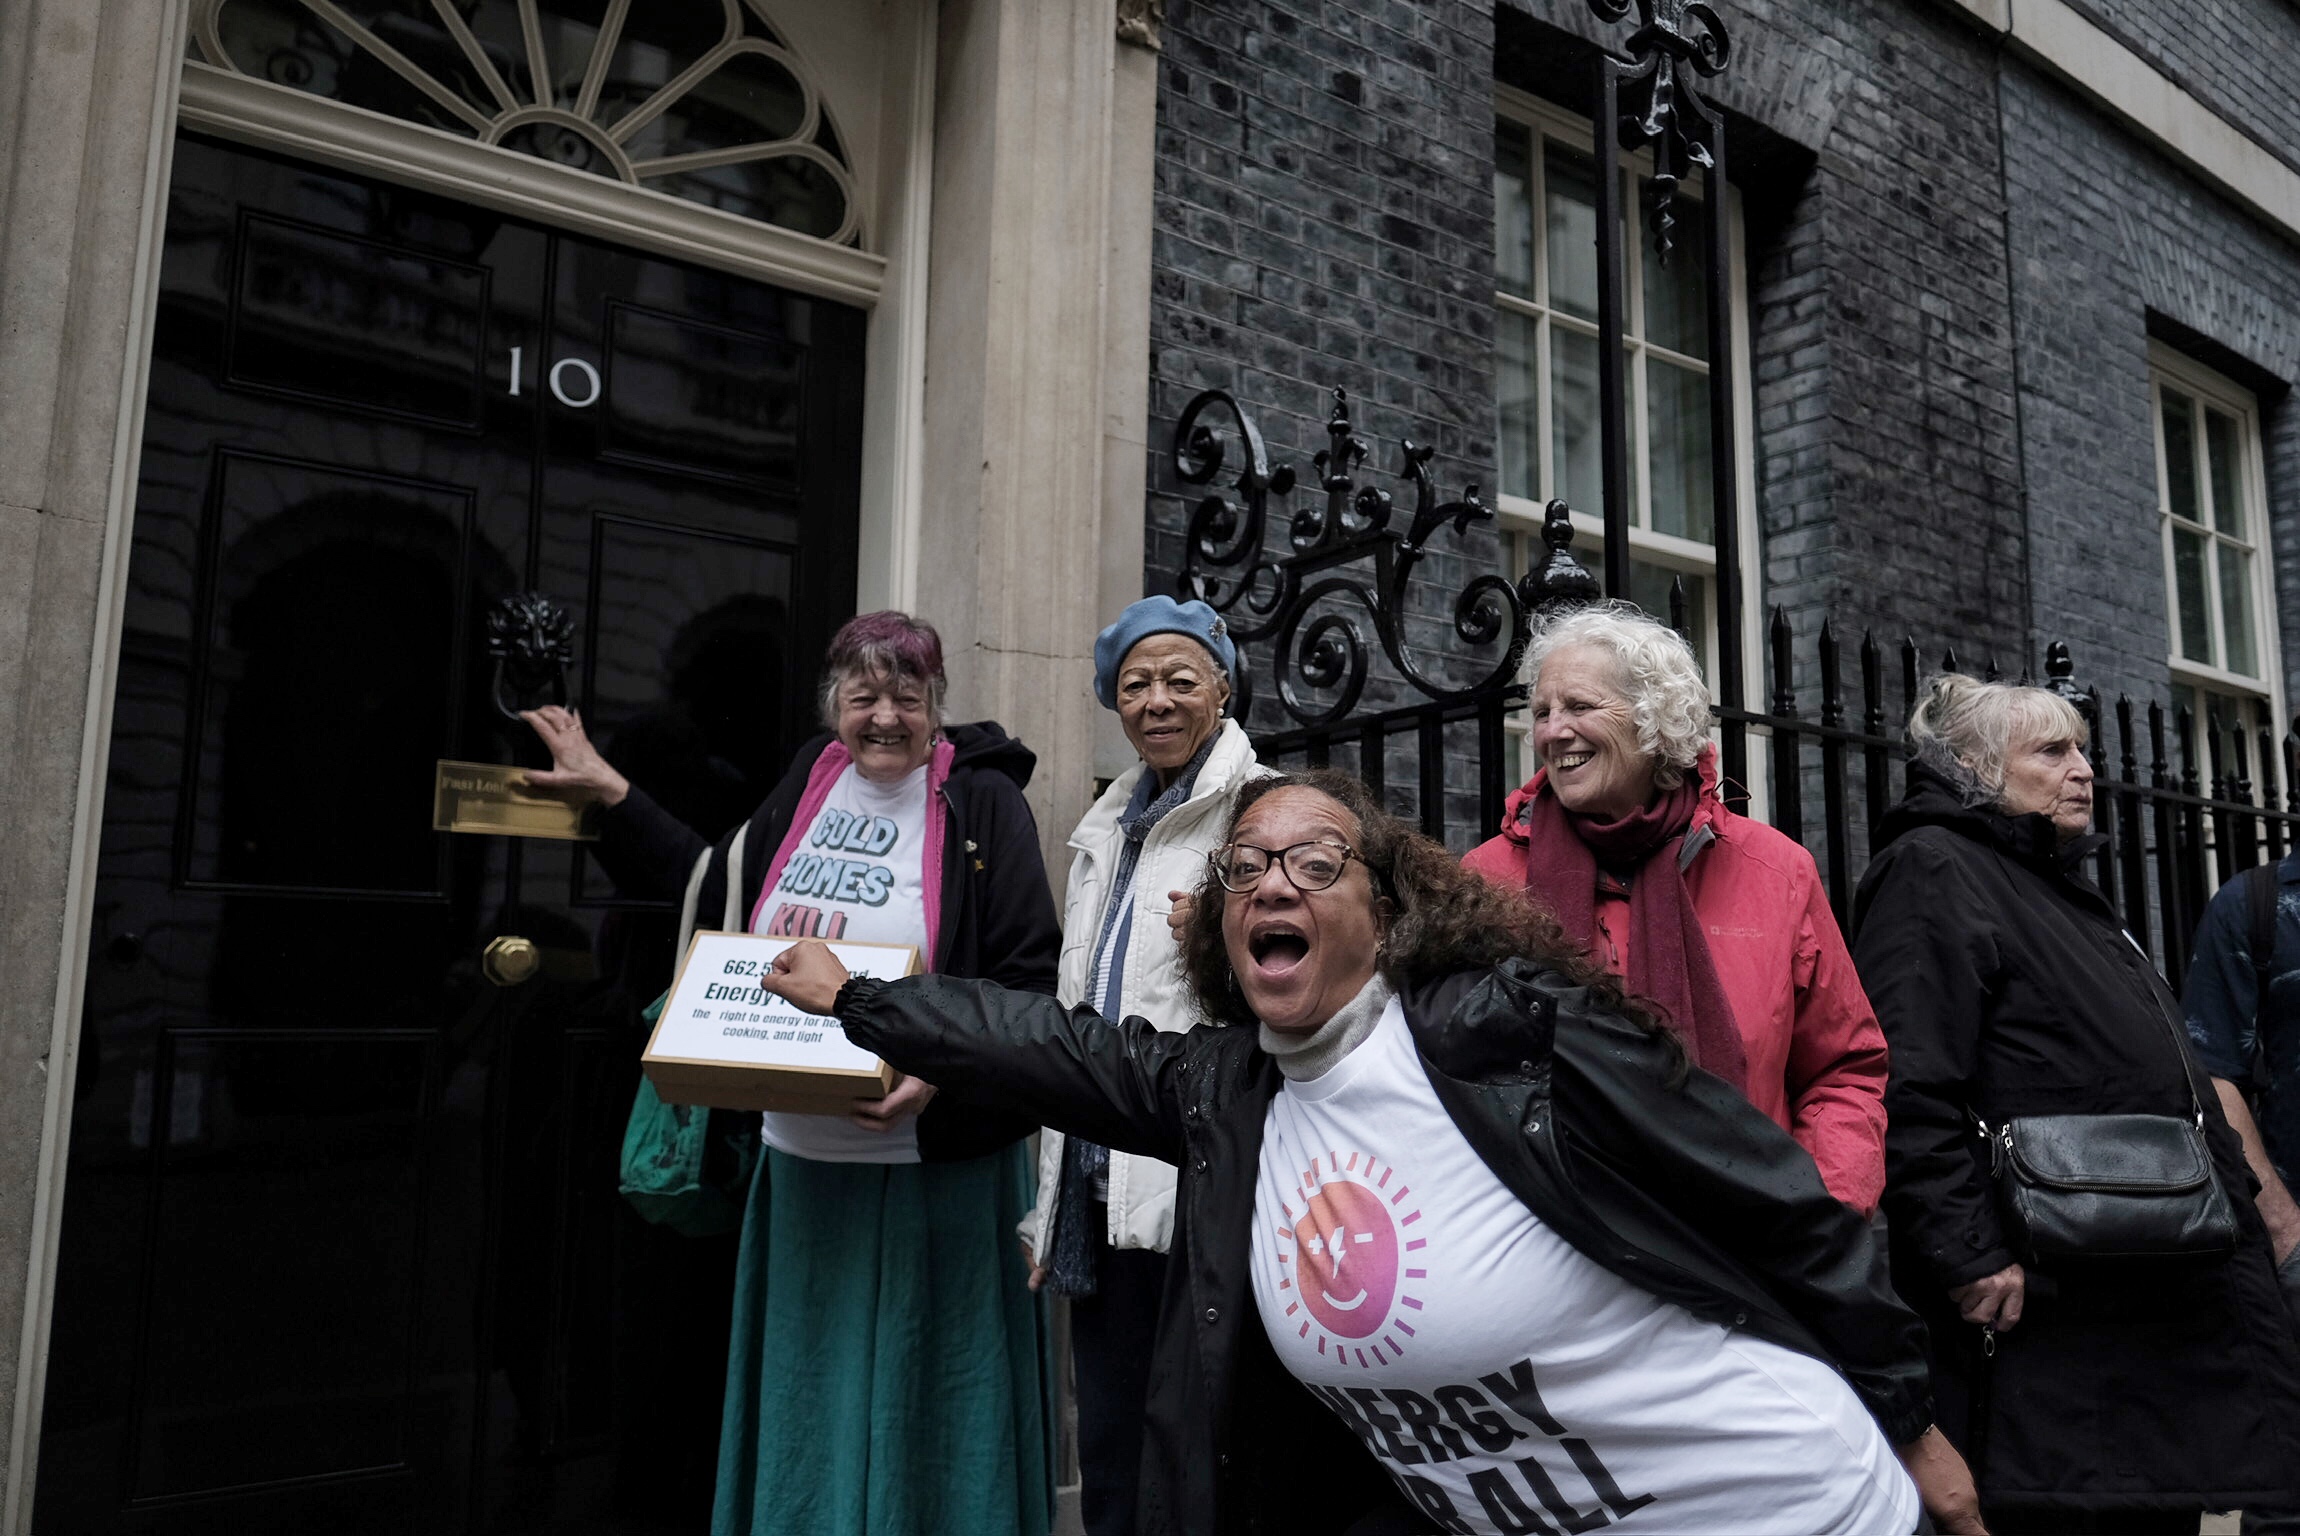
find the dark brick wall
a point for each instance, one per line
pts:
(2108, 236)
(1955, 266)
(1324, 219)
(1880, 347)
(2236, 56)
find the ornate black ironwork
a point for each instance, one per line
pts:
(1647, 98)
(532, 641)
(1225, 563)
(1675, 42)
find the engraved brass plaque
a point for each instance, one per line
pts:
(493, 798)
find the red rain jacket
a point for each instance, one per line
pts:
(1816, 1056)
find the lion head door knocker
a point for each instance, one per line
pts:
(532, 640)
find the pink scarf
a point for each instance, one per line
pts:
(1669, 961)
(825, 773)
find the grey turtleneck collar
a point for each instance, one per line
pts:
(1306, 1057)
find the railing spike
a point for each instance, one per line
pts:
(1784, 665)
(1832, 689)
(1872, 685)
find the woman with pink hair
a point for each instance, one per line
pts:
(885, 1377)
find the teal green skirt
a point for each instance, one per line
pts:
(888, 1371)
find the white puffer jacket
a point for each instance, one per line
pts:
(1173, 859)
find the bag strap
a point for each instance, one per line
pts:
(732, 922)
(2260, 889)
(2179, 1035)
(687, 906)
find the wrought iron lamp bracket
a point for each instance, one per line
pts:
(1329, 550)
(1675, 43)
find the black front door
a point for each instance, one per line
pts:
(342, 1249)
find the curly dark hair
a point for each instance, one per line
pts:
(1442, 918)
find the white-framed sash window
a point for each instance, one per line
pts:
(2219, 592)
(1550, 444)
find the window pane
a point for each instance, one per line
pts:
(1572, 219)
(1574, 444)
(1678, 402)
(2220, 450)
(2236, 610)
(1512, 208)
(1649, 589)
(1520, 406)
(2195, 628)
(2180, 456)
(1677, 296)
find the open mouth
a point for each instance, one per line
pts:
(1277, 948)
(897, 741)
(1566, 762)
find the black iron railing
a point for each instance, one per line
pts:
(1311, 622)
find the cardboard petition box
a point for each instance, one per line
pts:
(726, 1042)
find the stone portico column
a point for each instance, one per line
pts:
(87, 99)
(1037, 365)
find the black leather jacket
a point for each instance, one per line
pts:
(1678, 1186)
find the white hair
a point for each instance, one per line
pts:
(1668, 697)
(1964, 729)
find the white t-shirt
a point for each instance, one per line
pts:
(857, 874)
(1506, 1382)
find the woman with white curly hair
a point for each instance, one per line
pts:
(1719, 921)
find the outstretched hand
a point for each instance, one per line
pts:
(576, 766)
(807, 976)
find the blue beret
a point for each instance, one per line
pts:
(1157, 616)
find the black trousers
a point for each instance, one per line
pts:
(1110, 1335)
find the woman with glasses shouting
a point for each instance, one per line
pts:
(1462, 1242)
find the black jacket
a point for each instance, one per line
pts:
(2007, 986)
(1683, 1190)
(998, 921)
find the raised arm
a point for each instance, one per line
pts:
(1117, 1084)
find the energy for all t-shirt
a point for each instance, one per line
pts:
(857, 874)
(1506, 1382)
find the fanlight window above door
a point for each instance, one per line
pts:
(696, 98)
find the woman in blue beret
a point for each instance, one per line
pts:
(1104, 1219)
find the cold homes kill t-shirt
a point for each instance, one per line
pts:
(857, 875)
(1505, 1381)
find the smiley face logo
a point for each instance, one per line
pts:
(1348, 1248)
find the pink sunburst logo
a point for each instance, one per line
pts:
(1346, 1259)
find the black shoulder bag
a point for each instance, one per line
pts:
(2111, 1186)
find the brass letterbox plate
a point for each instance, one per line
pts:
(493, 798)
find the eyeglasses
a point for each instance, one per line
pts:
(1310, 866)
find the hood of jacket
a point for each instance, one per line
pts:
(985, 744)
(2029, 838)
